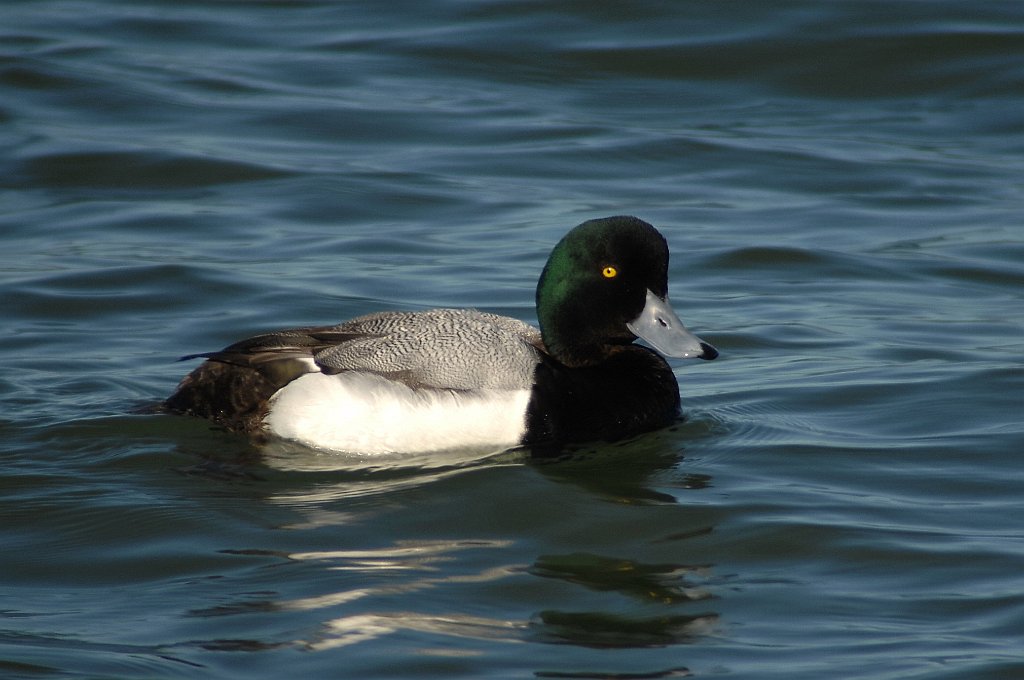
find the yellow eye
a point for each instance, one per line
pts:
(609, 272)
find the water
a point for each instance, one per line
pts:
(841, 187)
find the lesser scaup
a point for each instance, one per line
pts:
(405, 382)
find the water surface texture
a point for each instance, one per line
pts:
(842, 186)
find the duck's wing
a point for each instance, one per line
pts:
(280, 356)
(441, 348)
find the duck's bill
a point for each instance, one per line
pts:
(661, 328)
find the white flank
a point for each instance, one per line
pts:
(368, 414)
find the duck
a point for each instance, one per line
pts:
(405, 382)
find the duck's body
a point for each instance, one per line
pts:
(403, 382)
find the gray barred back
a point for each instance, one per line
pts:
(446, 348)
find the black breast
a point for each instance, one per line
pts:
(631, 392)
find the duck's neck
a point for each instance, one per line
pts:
(574, 351)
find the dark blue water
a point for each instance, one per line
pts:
(841, 186)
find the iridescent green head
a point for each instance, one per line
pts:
(605, 284)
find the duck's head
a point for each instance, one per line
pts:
(604, 285)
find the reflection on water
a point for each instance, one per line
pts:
(379, 566)
(613, 630)
(641, 470)
(662, 583)
(313, 479)
(351, 630)
(638, 471)
(385, 590)
(662, 587)
(662, 590)
(292, 457)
